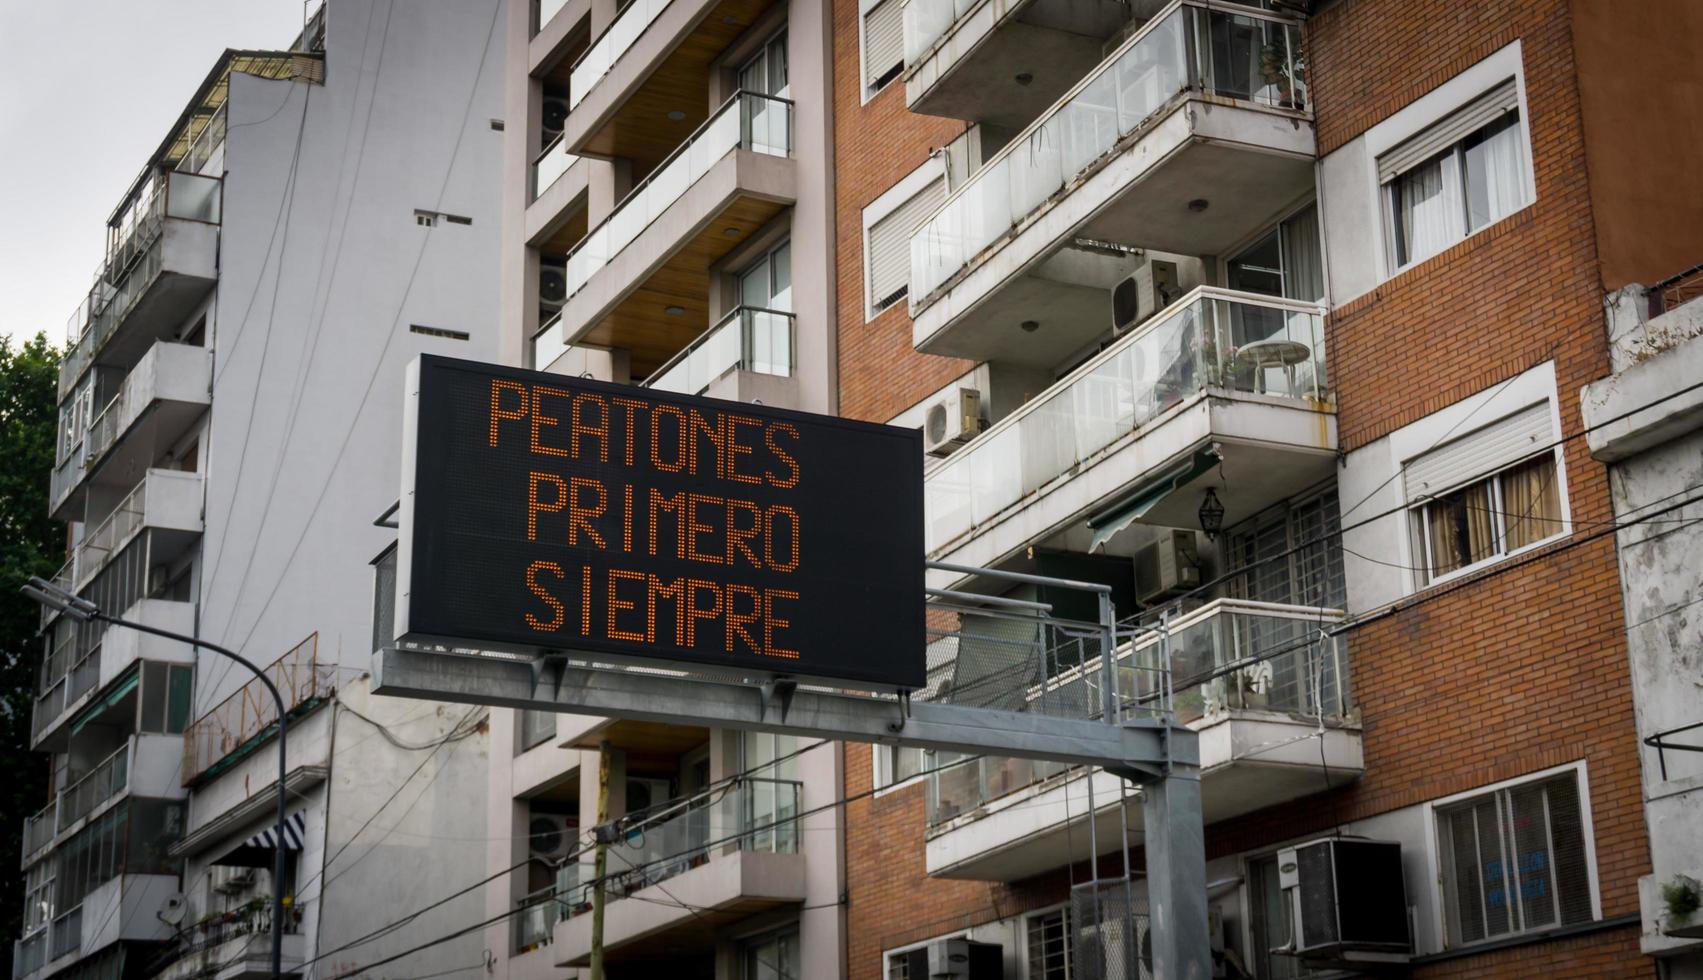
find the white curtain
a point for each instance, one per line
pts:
(1303, 273)
(1494, 187)
(1423, 214)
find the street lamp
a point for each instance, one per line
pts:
(82, 610)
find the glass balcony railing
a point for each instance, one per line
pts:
(747, 120)
(106, 780)
(132, 262)
(609, 46)
(1246, 55)
(749, 339)
(1210, 338)
(535, 922)
(751, 815)
(1243, 655)
(551, 164)
(1221, 656)
(927, 21)
(547, 10)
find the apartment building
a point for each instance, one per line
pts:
(667, 224)
(231, 400)
(1274, 318)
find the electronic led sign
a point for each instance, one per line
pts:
(547, 512)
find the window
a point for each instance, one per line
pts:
(1485, 495)
(1461, 174)
(1047, 936)
(894, 764)
(165, 698)
(1284, 262)
(1514, 860)
(769, 122)
(883, 44)
(38, 896)
(888, 226)
(773, 957)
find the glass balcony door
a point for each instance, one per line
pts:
(766, 285)
(766, 74)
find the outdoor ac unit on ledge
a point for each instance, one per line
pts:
(952, 421)
(1349, 901)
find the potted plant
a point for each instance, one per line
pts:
(1682, 904)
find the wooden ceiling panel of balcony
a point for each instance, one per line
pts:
(640, 129)
(641, 323)
(646, 738)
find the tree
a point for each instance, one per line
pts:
(30, 544)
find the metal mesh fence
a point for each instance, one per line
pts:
(1109, 932)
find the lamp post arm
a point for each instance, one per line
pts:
(283, 709)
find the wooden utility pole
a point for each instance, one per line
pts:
(601, 868)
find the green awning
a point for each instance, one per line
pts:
(1131, 508)
(121, 687)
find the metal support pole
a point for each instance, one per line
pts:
(1176, 876)
(601, 868)
(278, 699)
(1108, 658)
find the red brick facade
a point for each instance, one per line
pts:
(1520, 669)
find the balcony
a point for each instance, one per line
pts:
(163, 262)
(237, 945)
(1218, 382)
(681, 856)
(641, 279)
(1189, 138)
(748, 354)
(162, 396)
(238, 724)
(638, 91)
(1253, 678)
(84, 658)
(964, 58)
(166, 502)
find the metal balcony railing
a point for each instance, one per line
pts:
(133, 261)
(250, 714)
(112, 533)
(39, 828)
(106, 780)
(609, 46)
(1211, 338)
(750, 338)
(67, 934)
(1245, 55)
(63, 580)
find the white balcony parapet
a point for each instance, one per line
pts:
(1210, 338)
(1169, 57)
(609, 46)
(552, 163)
(748, 339)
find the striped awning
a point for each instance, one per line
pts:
(256, 852)
(295, 826)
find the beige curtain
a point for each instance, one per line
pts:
(1463, 530)
(1531, 501)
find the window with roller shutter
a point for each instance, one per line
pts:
(887, 262)
(883, 43)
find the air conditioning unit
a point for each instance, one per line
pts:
(554, 119)
(1348, 898)
(644, 792)
(551, 836)
(956, 959)
(1154, 285)
(1167, 567)
(952, 421)
(230, 881)
(552, 285)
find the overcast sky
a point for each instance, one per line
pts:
(87, 91)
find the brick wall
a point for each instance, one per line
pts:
(1518, 670)
(875, 146)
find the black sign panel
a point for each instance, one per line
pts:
(564, 513)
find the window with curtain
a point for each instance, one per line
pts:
(1488, 518)
(1468, 171)
(1514, 860)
